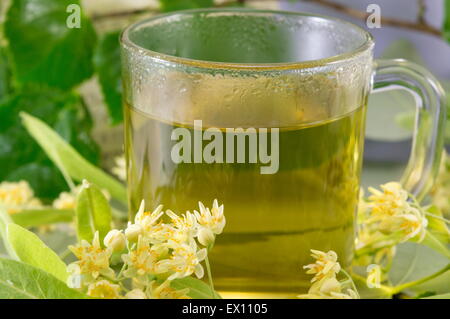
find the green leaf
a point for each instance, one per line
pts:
(433, 241)
(107, 65)
(446, 24)
(437, 226)
(415, 261)
(31, 250)
(173, 5)
(443, 296)
(21, 157)
(197, 288)
(67, 159)
(39, 217)
(22, 281)
(5, 74)
(369, 293)
(4, 221)
(44, 49)
(93, 213)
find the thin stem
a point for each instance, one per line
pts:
(437, 217)
(208, 271)
(121, 271)
(64, 254)
(402, 287)
(386, 289)
(421, 26)
(352, 282)
(417, 204)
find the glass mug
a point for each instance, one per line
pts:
(304, 80)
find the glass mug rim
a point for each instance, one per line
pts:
(344, 57)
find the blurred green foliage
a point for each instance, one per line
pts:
(446, 24)
(107, 66)
(5, 74)
(173, 5)
(43, 49)
(21, 157)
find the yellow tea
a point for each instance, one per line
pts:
(293, 89)
(273, 220)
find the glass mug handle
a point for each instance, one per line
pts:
(428, 139)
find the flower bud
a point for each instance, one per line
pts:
(205, 236)
(115, 240)
(133, 231)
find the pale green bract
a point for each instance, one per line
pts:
(197, 288)
(22, 281)
(93, 213)
(38, 217)
(68, 160)
(4, 221)
(31, 250)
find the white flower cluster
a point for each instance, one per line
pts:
(325, 283)
(17, 196)
(386, 219)
(154, 253)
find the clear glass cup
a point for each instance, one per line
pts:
(302, 79)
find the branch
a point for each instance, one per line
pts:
(420, 25)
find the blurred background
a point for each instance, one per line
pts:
(71, 77)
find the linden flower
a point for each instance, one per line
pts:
(390, 201)
(408, 225)
(326, 265)
(65, 200)
(133, 231)
(211, 222)
(115, 240)
(68, 200)
(164, 291)
(16, 196)
(147, 219)
(325, 284)
(185, 228)
(155, 291)
(351, 294)
(328, 288)
(104, 289)
(413, 226)
(136, 294)
(162, 233)
(93, 260)
(185, 261)
(372, 237)
(143, 260)
(389, 219)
